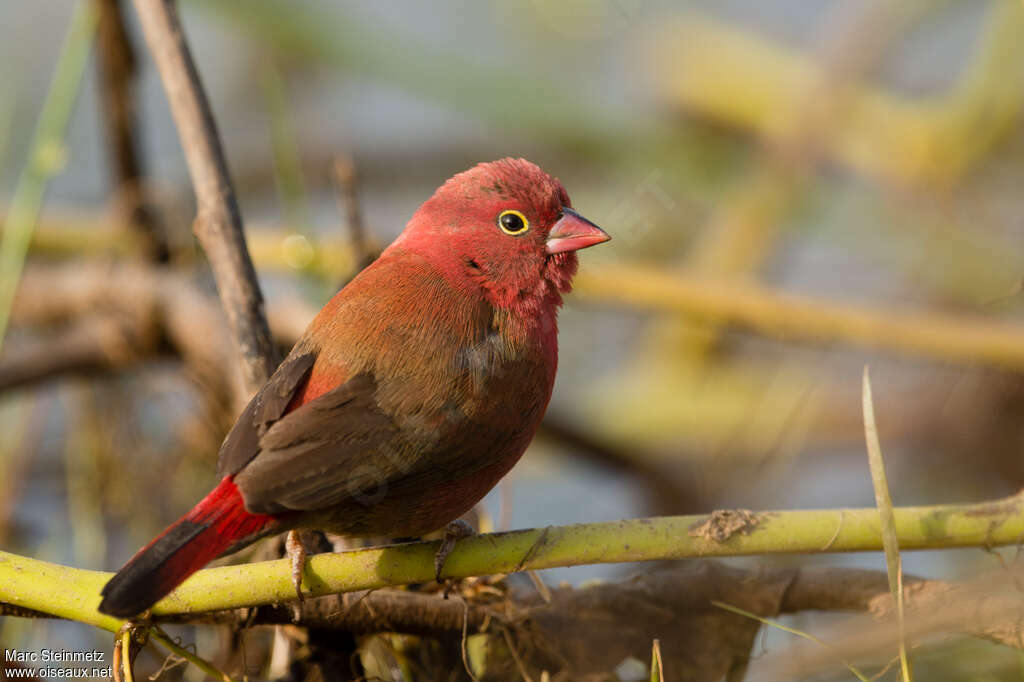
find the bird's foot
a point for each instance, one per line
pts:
(297, 554)
(456, 530)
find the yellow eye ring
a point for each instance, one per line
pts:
(513, 222)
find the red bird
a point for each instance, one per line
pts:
(414, 390)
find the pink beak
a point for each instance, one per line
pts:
(573, 232)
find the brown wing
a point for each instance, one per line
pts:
(266, 407)
(334, 448)
(352, 467)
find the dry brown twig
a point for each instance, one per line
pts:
(117, 67)
(346, 183)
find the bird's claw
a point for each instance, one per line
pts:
(297, 554)
(456, 530)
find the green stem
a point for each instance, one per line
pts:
(46, 156)
(74, 593)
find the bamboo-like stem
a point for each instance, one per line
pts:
(74, 593)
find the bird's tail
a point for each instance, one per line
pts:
(217, 523)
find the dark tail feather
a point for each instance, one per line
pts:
(217, 523)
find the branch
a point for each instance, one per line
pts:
(987, 606)
(74, 593)
(117, 77)
(98, 344)
(946, 338)
(346, 183)
(218, 224)
(123, 315)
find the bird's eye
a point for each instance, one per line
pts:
(513, 222)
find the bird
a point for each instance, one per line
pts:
(409, 396)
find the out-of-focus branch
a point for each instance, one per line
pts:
(887, 134)
(117, 77)
(21, 430)
(122, 315)
(218, 225)
(745, 229)
(946, 338)
(92, 344)
(987, 606)
(346, 184)
(69, 233)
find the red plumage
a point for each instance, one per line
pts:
(412, 392)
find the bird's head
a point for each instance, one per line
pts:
(505, 228)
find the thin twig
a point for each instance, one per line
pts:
(784, 628)
(165, 641)
(116, 60)
(346, 183)
(462, 641)
(218, 224)
(125, 643)
(515, 654)
(657, 665)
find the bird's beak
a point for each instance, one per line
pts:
(573, 232)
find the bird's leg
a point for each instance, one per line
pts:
(297, 553)
(456, 530)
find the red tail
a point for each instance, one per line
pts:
(217, 523)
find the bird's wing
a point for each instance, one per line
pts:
(334, 448)
(266, 407)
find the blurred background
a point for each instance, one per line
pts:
(794, 190)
